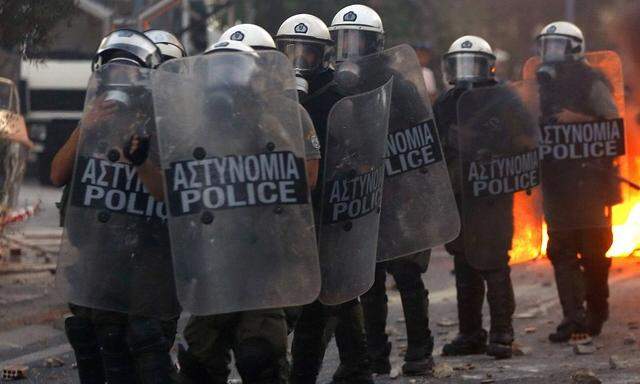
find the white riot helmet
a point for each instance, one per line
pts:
(470, 59)
(238, 68)
(356, 31)
(229, 46)
(305, 40)
(250, 34)
(561, 41)
(127, 46)
(169, 45)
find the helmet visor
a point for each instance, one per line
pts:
(553, 49)
(134, 43)
(351, 43)
(468, 67)
(305, 56)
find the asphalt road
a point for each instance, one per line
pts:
(30, 326)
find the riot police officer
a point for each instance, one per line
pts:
(123, 341)
(258, 338)
(305, 39)
(577, 193)
(358, 31)
(470, 64)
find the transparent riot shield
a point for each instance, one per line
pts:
(14, 148)
(352, 193)
(115, 251)
(240, 217)
(418, 207)
(583, 146)
(500, 171)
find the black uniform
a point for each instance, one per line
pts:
(311, 332)
(569, 186)
(406, 271)
(470, 280)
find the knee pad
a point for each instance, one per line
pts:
(256, 359)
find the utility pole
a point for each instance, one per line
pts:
(570, 10)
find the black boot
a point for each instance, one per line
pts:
(596, 317)
(597, 295)
(355, 367)
(418, 360)
(500, 345)
(374, 306)
(193, 372)
(473, 344)
(569, 330)
(501, 307)
(83, 340)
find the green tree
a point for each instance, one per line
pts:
(26, 24)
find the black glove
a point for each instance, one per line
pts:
(138, 155)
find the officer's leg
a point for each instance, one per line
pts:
(260, 348)
(309, 343)
(83, 339)
(563, 253)
(501, 306)
(355, 367)
(594, 245)
(111, 329)
(208, 357)
(407, 273)
(150, 347)
(374, 306)
(470, 293)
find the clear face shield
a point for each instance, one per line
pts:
(306, 57)
(351, 44)
(468, 66)
(555, 49)
(233, 69)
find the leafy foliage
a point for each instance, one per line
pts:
(26, 24)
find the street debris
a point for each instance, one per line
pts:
(53, 362)
(630, 339)
(442, 371)
(585, 377)
(445, 322)
(530, 330)
(14, 372)
(530, 314)
(617, 362)
(584, 349)
(519, 349)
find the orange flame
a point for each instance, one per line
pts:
(528, 244)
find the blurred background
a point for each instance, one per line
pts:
(47, 46)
